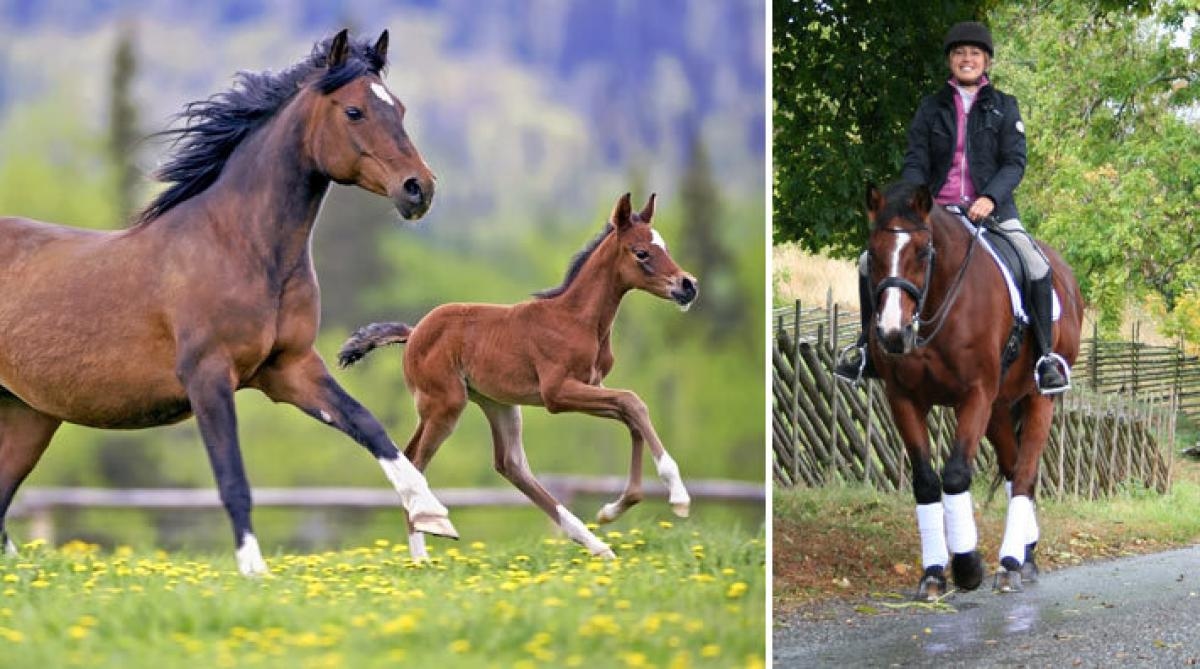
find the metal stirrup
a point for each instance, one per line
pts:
(862, 362)
(1062, 364)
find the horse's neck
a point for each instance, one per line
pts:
(268, 195)
(595, 294)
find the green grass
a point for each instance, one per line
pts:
(679, 595)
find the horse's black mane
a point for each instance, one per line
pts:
(897, 203)
(576, 264)
(213, 128)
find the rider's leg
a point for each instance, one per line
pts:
(1050, 369)
(853, 363)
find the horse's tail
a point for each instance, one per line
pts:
(368, 338)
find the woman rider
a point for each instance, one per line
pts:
(973, 168)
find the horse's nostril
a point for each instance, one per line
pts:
(412, 189)
(688, 286)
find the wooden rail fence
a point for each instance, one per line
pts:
(825, 430)
(40, 505)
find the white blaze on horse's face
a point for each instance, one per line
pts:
(657, 239)
(890, 308)
(382, 93)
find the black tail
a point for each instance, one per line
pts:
(368, 338)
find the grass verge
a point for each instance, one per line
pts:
(678, 595)
(843, 543)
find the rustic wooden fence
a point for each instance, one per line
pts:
(824, 430)
(41, 505)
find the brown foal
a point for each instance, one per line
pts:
(552, 351)
(213, 290)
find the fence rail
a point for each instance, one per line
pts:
(1102, 437)
(39, 505)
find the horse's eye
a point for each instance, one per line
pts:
(923, 253)
(641, 254)
(354, 113)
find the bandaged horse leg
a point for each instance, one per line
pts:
(1017, 563)
(962, 537)
(927, 489)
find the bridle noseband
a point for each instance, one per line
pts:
(938, 319)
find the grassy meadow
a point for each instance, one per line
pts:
(679, 595)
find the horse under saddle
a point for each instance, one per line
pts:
(1016, 280)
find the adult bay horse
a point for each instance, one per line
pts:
(553, 351)
(942, 319)
(212, 290)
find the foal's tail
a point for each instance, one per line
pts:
(368, 338)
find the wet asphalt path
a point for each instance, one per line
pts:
(1141, 611)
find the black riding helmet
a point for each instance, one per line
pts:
(969, 32)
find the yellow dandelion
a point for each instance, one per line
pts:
(478, 545)
(633, 659)
(710, 650)
(665, 524)
(11, 578)
(460, 646)
(736, 590)
(622, 605)
(582, 593)
(552, 602)
(77, 632)
(754, 662)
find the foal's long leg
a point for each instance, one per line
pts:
(632, 494)
(303, 381)
(510, 461)
(625, 406)
(927, 489)
(1021, 530)
(439, 406)
(210, 384)
(24, 435)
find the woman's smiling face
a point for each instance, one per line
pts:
(968, 63)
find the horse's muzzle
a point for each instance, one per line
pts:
(684, 292)
(414, 198)
(899, 341)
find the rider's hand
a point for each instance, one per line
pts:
(981, 208)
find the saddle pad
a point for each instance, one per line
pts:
(1014, 292)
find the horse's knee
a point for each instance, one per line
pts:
(956, 476)
(926, 486)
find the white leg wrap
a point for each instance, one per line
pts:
(1021, 528)
(930, 523)
(1007, 490)
(961, 535)
(249, 557)
(9, 547)
(416, 547)
(610, 512)
(412, 487)
(668, 471)
(579, 532)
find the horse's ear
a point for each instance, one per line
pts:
(338, 49)
(874, 201)
(921, 202)
(647, 211)
(381, 46)
(622, 212)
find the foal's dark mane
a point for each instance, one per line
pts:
(214, 127)
(577, 261)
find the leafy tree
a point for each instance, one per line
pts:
(1109, 95)
(847, 77)
(123, 130)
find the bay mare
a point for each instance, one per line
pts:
(212, 290)
(552, 351)
(942, 318)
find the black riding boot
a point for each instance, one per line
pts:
(1051, 372)
(853, 363)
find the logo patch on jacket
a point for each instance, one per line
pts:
(1020, 127)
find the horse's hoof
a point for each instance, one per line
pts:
(682, 509)
(967, 570)
(436, 525)
(605, 553)
(933, 585)
(1029, 570)
(608, 513)
(1008, 579)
